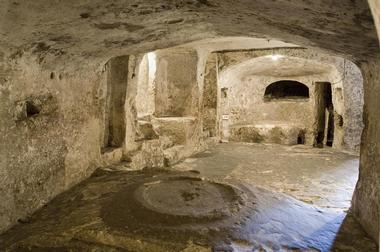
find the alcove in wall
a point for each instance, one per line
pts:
(285, 90)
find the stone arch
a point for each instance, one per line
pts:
(286, 89)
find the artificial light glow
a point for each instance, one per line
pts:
(275, 57)
(152, 66)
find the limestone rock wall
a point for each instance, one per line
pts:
(246, 105)
(353, 97)
(345, 77)
(167, 82)
(367, 191)
(50, 133)
(209, 104)
(42, 155)
(374, 184)
(144, 89)
(375, 8)
(54, 127)
(176, 89)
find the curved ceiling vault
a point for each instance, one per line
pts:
(98, 30)
(278, 66)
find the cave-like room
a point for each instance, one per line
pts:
(189, 126)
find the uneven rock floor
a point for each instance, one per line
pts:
(322, 177)
(217, 208)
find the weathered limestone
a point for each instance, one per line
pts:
(210, 97)
(177, 129)
(286, 169)
(47, 152)
(145, 89)
(247, 74)
(176, 89)
(114, 114)
(166, 93)
(268, 132)
(125, 28)
(367, 192)
(375, 8)
(352, 112)
(157, 142)
(148, 155)
(62, 53)
(172, 211)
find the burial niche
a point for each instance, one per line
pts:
(285, 90)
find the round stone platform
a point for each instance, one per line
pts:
(171, 202)
(189, 197)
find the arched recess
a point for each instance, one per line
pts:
(286, 89)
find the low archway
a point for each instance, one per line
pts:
(286, 89)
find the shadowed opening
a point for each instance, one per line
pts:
(286, 89)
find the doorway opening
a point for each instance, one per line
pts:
(210, 96)
(301, 137)
(325, 115)
(116, 88)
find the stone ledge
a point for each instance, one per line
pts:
(268, 132)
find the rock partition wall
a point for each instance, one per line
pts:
(176, 83)
(367, 191)
(210, 97)
(58, 126)
(50, 133)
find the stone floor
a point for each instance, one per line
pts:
(215, 205)
(322, 177)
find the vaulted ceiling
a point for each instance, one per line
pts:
(98, 29)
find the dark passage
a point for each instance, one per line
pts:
(325, 112)
(117, 78)
(301, 137)
(32, 109)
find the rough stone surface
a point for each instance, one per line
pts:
(369, 179)
(176, 211)
(267, 132)
(375, 8)
(60, 49)
(46, 153)
(145, 88)
(124, 28)
(210, 97)
(177, 129)
(247, 74)
(176, 87)
(149, 155)
(322, 177)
